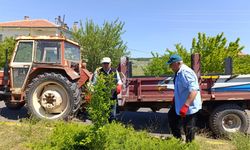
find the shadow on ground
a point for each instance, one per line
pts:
(153, 122)
(9, 114)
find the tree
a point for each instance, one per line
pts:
(213, 51)
(8, 43)
(158, 66)
(98, 42)
(241, 65)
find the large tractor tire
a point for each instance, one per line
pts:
(228, 118)
(52, 96)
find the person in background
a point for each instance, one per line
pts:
(187, 99)
(106, 69)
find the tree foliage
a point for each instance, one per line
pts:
(158, 66)
(241, 64)
(213, 51)
(101, 41)
(8, 43)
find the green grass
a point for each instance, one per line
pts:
(32, 134)
(214, 144)
(16, 136)
(241, 141)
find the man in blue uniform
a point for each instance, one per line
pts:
(187, 99)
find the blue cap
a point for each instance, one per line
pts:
(174, 58)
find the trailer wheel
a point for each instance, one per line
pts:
(52, 96)
(228, 118)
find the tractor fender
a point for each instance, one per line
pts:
(41, 69)
(85, 76)
(71, 73)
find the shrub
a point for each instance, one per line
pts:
(117, 136)
(100, 103)
(64, 136)
(110, 136)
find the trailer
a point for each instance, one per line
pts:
(225, 97)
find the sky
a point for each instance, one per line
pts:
(150, 25)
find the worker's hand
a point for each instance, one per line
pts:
(118, 88)
(184, 110)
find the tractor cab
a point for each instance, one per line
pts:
(42, 52)
(45, 72)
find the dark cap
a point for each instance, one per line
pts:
(174, 58)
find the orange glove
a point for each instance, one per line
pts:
(184, 110)
(118, 88)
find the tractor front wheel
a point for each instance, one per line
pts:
(52, 96)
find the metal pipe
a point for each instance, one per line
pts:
(196, 64)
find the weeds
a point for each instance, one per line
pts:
(241, 141)
(110, 136)
(55, 135)
(64, 136)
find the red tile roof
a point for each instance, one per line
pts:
(29, 23)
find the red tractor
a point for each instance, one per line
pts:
(45, 73)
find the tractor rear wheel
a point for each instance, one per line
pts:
(52, 96)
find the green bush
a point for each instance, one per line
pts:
(64, 136)
(110, 136)
(100, 103)
(117, 136)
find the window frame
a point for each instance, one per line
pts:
(65, 42)
(43, 59)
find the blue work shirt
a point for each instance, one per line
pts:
(185, 82)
